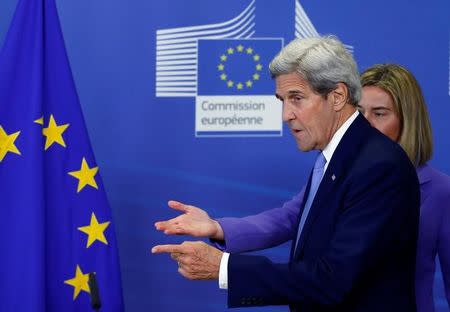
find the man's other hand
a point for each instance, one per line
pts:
(196, 260)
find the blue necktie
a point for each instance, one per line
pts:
(315, 182)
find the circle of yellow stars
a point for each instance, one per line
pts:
(225, 57)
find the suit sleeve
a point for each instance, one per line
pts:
(373, 222)
(267, 229)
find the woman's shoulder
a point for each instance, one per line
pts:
(437, 183)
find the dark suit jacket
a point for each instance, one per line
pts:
(358, 246)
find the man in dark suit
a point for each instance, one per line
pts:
(354, 232)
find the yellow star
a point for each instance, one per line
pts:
(249, 83)
(240, 48)
(79, 282)
(221, 67)
(230, 51)
(239, 86)
(85, 175)
(249, 51)
(223, 58)
(54, 133)
(256, 77)
(258, 67)
(95, 231)
(256, 57)
(223, 77)
(39, 121)
(230, 83)
(7, 143)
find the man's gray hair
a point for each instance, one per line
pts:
(323, 62)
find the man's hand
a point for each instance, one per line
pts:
(194, 221)
(196, 260)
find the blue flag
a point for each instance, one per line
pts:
(236, 66)
(55, 223)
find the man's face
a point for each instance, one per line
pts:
(309, 116)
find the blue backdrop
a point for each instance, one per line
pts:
(142, 120)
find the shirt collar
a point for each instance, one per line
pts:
(328, 151)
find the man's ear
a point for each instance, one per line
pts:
(339, 96)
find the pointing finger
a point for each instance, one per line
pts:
(168, 249)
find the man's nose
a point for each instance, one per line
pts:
(288, 113)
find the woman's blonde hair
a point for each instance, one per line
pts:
(409, 105)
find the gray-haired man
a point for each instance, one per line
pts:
(354, 231)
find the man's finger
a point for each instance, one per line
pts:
(178, 206)
(163, 225)
(176, 231)
(175, 256)
(181, 228)
(186, 274)
(169, 249)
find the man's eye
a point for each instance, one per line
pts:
(379, 114)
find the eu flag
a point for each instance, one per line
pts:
(236, 66)
(55, 223)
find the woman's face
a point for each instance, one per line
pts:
(378, 108)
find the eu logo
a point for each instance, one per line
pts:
(236, 66)
(235, 93)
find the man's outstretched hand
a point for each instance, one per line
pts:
(193, 221)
